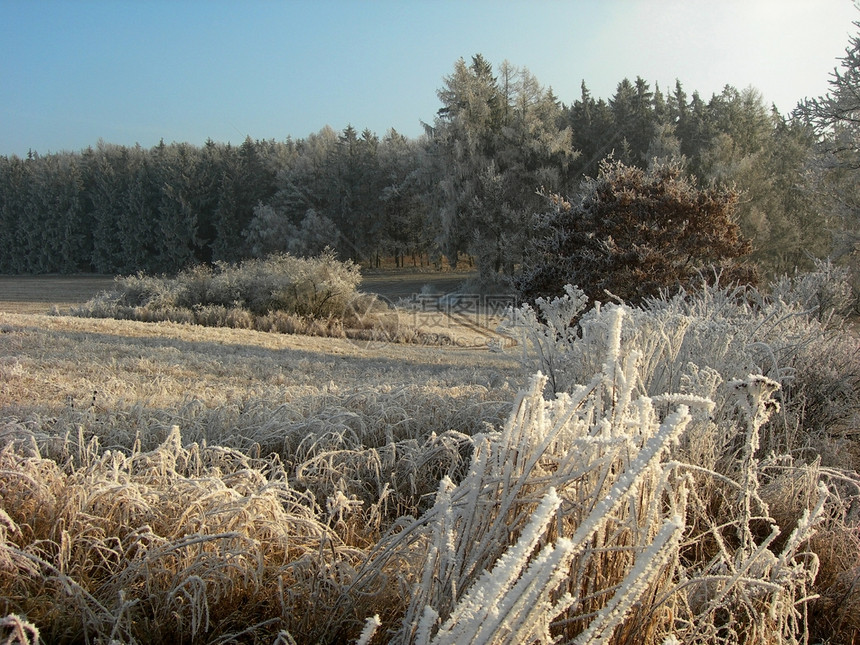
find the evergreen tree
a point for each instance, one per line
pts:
(36, 234)
(247, 178)
(642, 127)
(205, 197)
(677, 106)
(593, 130)
(794, 230)
(226, 221)
(138, 220)
(405, 229)
(71, 207)
(355, 209)
(309, 178)
(176, 215)
(14, 188)
(496, 144)
(695, 133)
(623, 106)
(110, 187)
(464, 135)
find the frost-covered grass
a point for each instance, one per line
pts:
(697, 343)
(166, 483)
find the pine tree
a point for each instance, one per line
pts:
(176, 216)
(14, 182)
(465, 135)
(138, 220)
(592, 127)
(405, 230)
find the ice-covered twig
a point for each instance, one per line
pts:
(648, 565)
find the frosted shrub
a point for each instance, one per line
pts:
(634, 233)
(151, 291)
(817, 364)
(826, 290)
(297, 290)
(547, 335)
(764, 436)
(284, 294)
(696, 343)
(314, 287)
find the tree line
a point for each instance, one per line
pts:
(467, 188)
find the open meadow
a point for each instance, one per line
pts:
(166, 482)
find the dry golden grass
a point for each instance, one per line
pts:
(150, 531)
(124, 377)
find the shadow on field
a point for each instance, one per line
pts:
(39, 293)
(336, 359)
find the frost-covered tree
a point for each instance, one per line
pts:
(108, 194)
(176, 220)
(498, 141)
(835, 172)
(270, 231)
(138, 220)
(462, 138)
(15, 177)
(315, 233)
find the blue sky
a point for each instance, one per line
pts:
(135, 71)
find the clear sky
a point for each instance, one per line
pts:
(136, 71)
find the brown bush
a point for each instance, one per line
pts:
(635, 233)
